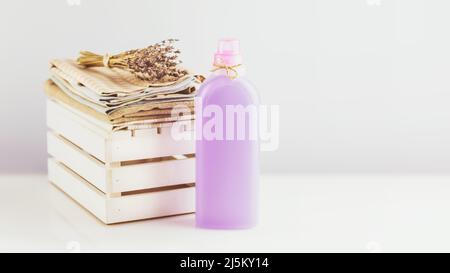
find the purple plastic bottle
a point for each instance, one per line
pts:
(227, 150)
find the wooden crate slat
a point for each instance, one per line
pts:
(83, 164)
(81, 191)
(152, 175)
(151, 205)
(157, 143)
(77, 130)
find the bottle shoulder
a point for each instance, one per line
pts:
(221, 83)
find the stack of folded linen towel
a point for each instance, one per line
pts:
(119, 98)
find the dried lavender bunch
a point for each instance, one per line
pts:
(157, 63)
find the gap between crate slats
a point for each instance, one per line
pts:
(116, 178)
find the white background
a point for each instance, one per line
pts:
(363, 85)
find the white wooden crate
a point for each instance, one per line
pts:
(119, 176)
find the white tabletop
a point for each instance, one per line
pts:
(298, 213)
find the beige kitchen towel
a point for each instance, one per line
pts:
(54, 92)
(183, 88)
(102, 106)
(151, 114)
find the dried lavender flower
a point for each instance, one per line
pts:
(156, 63)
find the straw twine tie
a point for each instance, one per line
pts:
(228, 69)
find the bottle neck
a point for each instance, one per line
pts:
(238, 71)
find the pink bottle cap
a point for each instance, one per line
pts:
(228, 53)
